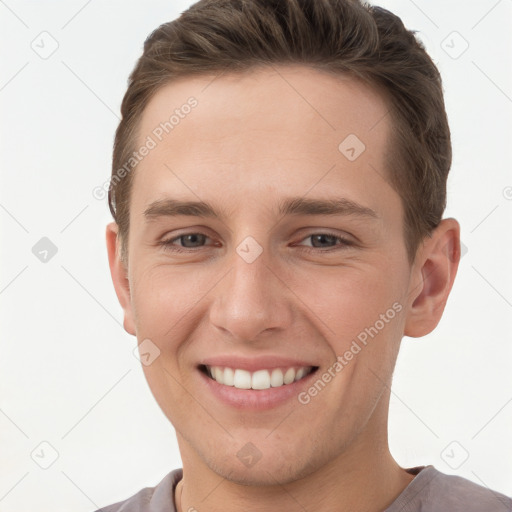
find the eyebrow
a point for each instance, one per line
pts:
(289, 206)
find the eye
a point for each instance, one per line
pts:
(190, 241)
(319, 239)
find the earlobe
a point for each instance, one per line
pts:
(119, 274)
(436, 268)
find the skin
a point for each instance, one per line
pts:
(252, 140)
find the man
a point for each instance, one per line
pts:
(278, 185)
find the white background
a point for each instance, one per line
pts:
(68, 376)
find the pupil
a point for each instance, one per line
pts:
(194, 238)
(322, 238)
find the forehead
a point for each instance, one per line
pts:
(268, 97)
(287, 128)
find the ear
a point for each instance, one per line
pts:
(432, 278)
(119, 274)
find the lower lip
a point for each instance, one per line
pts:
(255, 399)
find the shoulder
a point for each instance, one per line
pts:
(456, 491)
(150, 499)
(434, 491)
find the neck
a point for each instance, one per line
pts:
(364, 477)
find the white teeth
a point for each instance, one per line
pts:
(276, 379)
(261, 379)
(218, 375)
(229, 377)
(289, 376)
(242, 379)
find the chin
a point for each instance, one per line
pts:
(268, 467)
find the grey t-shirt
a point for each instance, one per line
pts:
(430, 491)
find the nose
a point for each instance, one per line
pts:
(250, 300)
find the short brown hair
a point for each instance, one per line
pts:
(336, 36)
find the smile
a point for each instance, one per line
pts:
(258, 380)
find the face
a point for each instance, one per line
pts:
(292, 278)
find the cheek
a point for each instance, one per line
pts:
(164, 299)
(164, 382)
(165, 305)
(347, 300)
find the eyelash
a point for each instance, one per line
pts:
(345, 243)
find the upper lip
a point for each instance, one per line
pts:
(252, 364)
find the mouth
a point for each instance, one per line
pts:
(258, 380)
